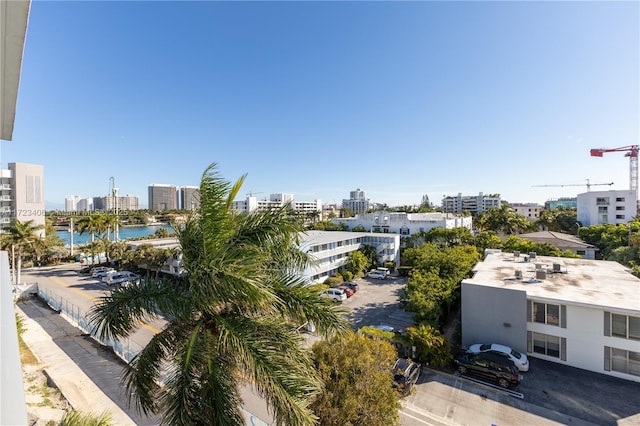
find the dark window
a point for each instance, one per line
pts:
(546, 345)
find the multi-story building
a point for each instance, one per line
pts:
(404, 223)
(71, 203)
(473, 204)
(329, 250)
(22, 194)
(357, 202)
(252, 203)
(600, 207)
(577, 312)
(529, 210)
(85, 205)
(566, 202)
(189, 197)
(163, 197)
(120, 203)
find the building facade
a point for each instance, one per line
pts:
(563, 241)
(71, 203)
(357, 202)
(566, 202)
(404, 223)
(600, 207)
(189, 197)
(85, 205)
(577, 312)
(529, 210)
(473, 204)
(278, 200)
(163, 197)
(22, 195)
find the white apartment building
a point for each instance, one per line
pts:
(529, 210)
(189, 197)
(22, 194)
(404, 223)
(71, 203)
(329, 250)
(252, 203)
(85, 205)
(470, 203)
(600, 207)
(357, 202)
(577, 312)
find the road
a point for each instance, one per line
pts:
(79, 293)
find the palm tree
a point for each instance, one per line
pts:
(233, 319)
(92, 224)
(24, 235)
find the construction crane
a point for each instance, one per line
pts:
(588, 185)
(632, 153)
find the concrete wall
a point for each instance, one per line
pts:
(588, 208)
(494, 315)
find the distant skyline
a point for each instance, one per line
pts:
(316, 99)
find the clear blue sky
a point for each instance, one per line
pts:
(320, 98)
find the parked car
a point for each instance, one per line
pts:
(405, 374)
(489, 366)
(122, 277)
(86, 270)
(335, 294)
(520, 360)
(101, 271)
(347, 290)
(383, 269)
(353, 286)
(374, 273)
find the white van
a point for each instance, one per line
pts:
(335, 294)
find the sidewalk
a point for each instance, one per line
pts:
(87, 374)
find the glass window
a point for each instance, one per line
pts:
(553, 346)
(619, 325)
(553, 314)
(634, 328)
(619, 360)
(546, 345)
(634, 363)
(539, 343)
(538, 312)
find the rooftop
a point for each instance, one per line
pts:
(325, 237)
(595, 283)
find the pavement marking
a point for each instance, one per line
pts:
(424, 413)
(94, 299)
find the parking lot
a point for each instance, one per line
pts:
(553, 393)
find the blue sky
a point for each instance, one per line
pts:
(400, 99)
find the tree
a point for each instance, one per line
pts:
(232, 320)
(358, 390)
(431, 346)
(357, 263)
(23, 236)
(92, 224)
(503, 220)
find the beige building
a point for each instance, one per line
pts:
(529, 210)
(22, 194)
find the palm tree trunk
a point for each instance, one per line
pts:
(19, 268)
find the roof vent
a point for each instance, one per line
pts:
(516, 254)
(518, 274)
(541, 274)
(556, 268)
(532, 255)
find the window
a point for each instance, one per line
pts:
(620, 208)
(619, 216)
(619, 199)
(581, 252)
(624, 326)
(622, 361)
(404, 231)
(602, 201)
(547, 313)
(548, 345)
(602, 209)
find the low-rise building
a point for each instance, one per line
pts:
(529, 210)
(566, 202)
(563, 241)
(577, 312)
(278, 200)
(404, 223)
(600, 207)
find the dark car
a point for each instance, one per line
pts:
(489, 366)
(353, 286)
(405, 374)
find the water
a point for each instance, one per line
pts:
(124, 233)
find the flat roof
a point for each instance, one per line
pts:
(164, 243)
(597, 283)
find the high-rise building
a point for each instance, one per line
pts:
(163, 197)
(71, 203)
(119, 202)
(85, 205)
(189, 197)
(22, 194)
(357, 202)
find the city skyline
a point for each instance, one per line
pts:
(319, 98)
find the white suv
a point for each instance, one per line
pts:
(381, 275)
(335, 294)
(122, 277)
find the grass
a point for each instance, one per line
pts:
(26, 356)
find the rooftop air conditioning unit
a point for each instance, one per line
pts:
(556, 268)
(541, 274)
(516, 254)
(518, 274)
(532, 255)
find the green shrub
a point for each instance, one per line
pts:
(347, 275)
(331, 281)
